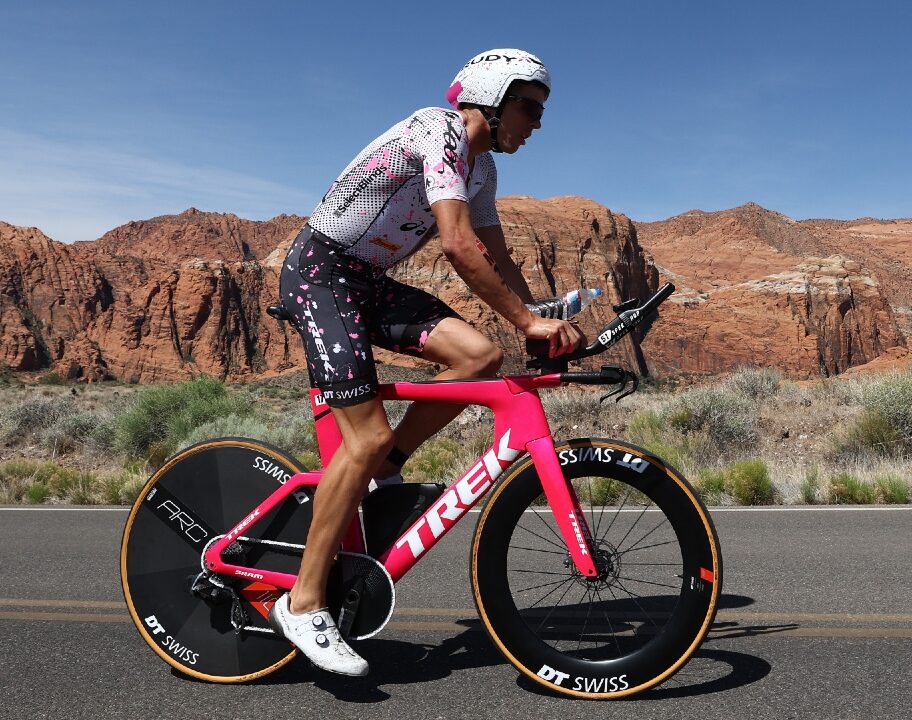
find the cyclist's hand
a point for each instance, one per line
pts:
(563, 336)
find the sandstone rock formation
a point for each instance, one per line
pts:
(176, 296)
(179, 295)
(758, 288)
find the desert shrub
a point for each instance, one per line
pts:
(161, 417)
(726, 417)
(810, 485)
(890, 398)
(892, 489)
(869, 434)
(845, 488)
(294, 432)
(227, 426)
(36, 415)
(837, 391)
(754, 383)
(70, 432)
(710, 484)
(37, 481)
(749, 483)
(123, 487)
(645, 427)
(569, 407)
(435, 461)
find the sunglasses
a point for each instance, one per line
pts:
(533, 109)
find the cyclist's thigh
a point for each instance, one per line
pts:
(331, 304)
(454, 340)
(408, 318)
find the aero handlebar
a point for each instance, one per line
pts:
(629, 317)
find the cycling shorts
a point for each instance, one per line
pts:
(342, 305)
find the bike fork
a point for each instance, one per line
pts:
(565, 505)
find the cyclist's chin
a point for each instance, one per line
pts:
(511, 145)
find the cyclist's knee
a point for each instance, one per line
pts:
(374, 441)
(479, 360)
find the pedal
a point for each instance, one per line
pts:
(360, 595)
(349, 610)
(239, 617)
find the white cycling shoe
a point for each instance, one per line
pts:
(315, 634)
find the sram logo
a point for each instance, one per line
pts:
(244, 573)
(461, 495)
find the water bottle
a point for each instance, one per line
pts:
(566, 306)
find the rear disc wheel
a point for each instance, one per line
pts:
(196, 496)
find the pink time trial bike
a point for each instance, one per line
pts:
(595, 567)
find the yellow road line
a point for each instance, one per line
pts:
(744, 624)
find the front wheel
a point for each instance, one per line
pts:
(653, 601)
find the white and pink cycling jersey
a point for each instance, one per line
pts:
(379, 209)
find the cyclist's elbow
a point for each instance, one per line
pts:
(457, 245)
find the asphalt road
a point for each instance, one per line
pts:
(816, 622)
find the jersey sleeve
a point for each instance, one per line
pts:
(482, 204)
(444, 147)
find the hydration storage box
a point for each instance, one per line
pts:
(390, 510)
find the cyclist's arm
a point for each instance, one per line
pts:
(475, 264)
(492, 237)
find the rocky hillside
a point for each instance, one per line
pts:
(758, 288)
(175, 296)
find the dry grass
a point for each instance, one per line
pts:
(815, 441)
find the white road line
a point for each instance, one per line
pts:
(712, 510)
(41, 508)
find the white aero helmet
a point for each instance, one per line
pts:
(485, 78)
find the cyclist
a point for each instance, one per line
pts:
(430, 174)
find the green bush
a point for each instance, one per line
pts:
(645, 427)
(711, 485)
(726, 417)
(37, 493)
(39, 481)
(845, 488)
(892, 489)
(749, 483)
(754, 383)
(163, 416)
(227, 426)
(810, 486)
(870, 434)
(435, 461)
(891, 399)
(599, 491)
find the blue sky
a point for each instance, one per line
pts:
(118, 111)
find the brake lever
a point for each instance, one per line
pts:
(622, 387)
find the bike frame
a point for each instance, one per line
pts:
(520, 426)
